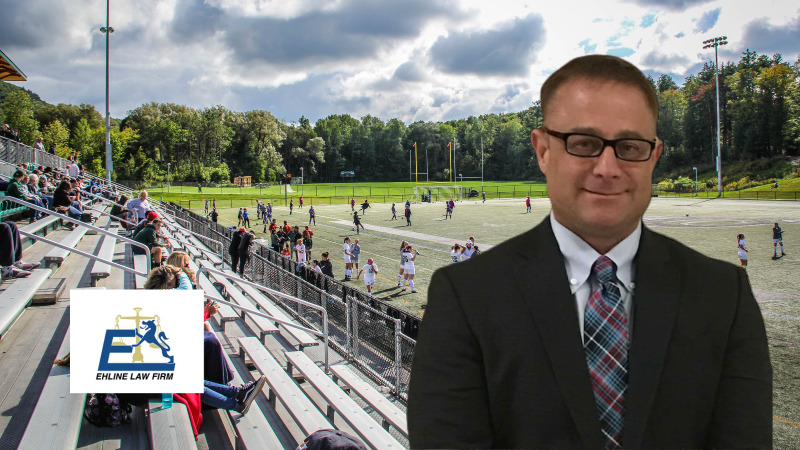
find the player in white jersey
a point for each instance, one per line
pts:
(455, 252)
(300, 249)
(346, 255)
(410, 255)
(369, 270)
(742, 250)
(469, 249)
(402, 263)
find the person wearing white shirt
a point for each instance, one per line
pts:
(410, 256)
(369, 270)
(468, 250)
(300, 249)
(140, 205)
(346, 255)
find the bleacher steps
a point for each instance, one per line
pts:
(49, 292)
(169, 428)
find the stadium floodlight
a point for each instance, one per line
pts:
(708, 43)
(107, 30)
(695, 180)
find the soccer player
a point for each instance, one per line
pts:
(239, 218)
(269, 211)
(527, 204)
(468, 250)
(777, 238)
(291, 206)
(448, 211)
(245, 218)
(346, 255)
(312, 216)
(408, 215)
(357, 222)
(352, 204)
(369, 274)
(411, 256)
(403, 246)
(308, 241)
(742, 250)
(456, 252)
(483, 194)
(355, 252)
(206, 210)
(301, 202)
(394, 213)
(300, 250)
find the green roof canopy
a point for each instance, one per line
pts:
(9, 71)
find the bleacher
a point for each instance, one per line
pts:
(37, 411)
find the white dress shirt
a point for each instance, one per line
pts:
(579, 258)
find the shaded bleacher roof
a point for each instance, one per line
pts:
(9, 71)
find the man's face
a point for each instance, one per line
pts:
(603, 197)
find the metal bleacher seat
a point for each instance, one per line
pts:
(262, 326)
(170, 428)
(57, 255)
(281, 386)
(18, 296)
(391, 414)
(338, 400)
(101, 269)
(303, 338)
(226, 313)
(56, 421)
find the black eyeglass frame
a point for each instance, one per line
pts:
(606, 143)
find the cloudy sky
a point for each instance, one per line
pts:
(414, 60)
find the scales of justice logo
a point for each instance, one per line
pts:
(147, 331)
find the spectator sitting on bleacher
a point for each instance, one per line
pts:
(121, 212)
(11, 254)
(75, 193)
(63, 204)
(16, 189)
(33, 188)
(140, 205)
(226, 397)
(168, 277)
(181, 260)
(72, 170)
(149, 237)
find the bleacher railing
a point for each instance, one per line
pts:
(372, 335)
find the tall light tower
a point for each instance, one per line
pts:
(109, 163)
(716, 42)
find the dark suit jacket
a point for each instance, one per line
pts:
(500, 362)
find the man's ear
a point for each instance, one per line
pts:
(539, 143)
(658, 151)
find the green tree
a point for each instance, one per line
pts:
(56, 133)
(18, 114)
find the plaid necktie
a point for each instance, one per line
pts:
(605, 332)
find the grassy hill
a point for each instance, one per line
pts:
(8, 88)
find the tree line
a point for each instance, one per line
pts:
(759, 110)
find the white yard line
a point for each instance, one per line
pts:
(412, 234)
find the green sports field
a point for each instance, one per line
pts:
(707, 225)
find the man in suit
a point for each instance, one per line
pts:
(594, 331)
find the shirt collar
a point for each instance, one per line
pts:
(579, 256)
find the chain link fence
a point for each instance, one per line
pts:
(374, 336)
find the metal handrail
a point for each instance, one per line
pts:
(83, 224)
(82, 253)
(239, 280)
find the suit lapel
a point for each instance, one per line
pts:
(544, 280)
(655, 305)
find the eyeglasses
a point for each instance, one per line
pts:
(591, 146)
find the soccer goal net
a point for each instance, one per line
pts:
(427, 194)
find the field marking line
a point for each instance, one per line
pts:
(796, 425)
(412, 234)
(781, 316)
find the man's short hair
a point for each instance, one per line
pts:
(599, 68)
(18, 174)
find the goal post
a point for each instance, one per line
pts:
(436, 193)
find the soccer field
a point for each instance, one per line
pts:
(709, 226)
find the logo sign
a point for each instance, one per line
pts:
(135, 341)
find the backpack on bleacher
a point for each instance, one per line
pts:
(106, 410)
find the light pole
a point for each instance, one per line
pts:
(695, 180)
(302, 178)
(109, 163)
(716, 42)
(169, 180)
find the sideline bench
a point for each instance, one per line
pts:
(338, 400)
(169, 428)
(18, 296)
(304, 339)
(56, 256)
(56, 421)
(263, 326)
(254, 429)
(282, 386)
(392, 415)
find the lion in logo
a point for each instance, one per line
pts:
(149, 336)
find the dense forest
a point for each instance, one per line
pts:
(760, 116)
